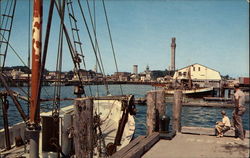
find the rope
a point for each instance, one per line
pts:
(29, 35)
(71, 49)
(57, 88)
(10, 27)
(71, 11)
(14, 51)
(3, 19)
(111, 41)
(92, 44)
(96, 41)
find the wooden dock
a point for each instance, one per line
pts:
(192, 142)
(196, 146)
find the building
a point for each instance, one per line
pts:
(16, 74)
(121, 76)
(199, 75)
(135, 69)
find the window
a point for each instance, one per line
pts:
(199, 69)
(180, 74)
(193, 68)
(184, 73)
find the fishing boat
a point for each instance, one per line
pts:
(106, 122)
(192, 93)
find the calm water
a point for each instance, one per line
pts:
(191, 116)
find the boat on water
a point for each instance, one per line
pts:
(55, 133)
(192, 93)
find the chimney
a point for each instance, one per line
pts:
(173, 46)
(135, 69)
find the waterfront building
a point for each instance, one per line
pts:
(200, 75)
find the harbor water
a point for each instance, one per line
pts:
(191, 116)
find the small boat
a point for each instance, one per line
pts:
(192, 93)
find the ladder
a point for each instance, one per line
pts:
(6, 21)
(78, 51)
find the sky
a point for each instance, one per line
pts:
(214, 33)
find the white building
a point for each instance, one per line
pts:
(199, 74)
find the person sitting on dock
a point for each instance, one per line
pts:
(223, 126)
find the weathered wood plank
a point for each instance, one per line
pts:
(207, 104)
(83, 128)
(143, 146)
(128, 147)
(207, 131)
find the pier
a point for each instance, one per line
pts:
(182, 141)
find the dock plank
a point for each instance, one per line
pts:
(128, 147)
(207, 131)
(144, 146)
(138, 146)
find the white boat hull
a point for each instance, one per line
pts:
(110, 113)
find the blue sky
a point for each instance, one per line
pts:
(214, 33)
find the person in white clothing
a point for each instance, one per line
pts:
(222, 126)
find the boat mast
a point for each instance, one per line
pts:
(36, 60)
(34, 126)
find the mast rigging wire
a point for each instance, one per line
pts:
(75, 28)
(111, 41)
(57, 88)
(71, 49)
(92, 43)
(29, 22)
(10, 27)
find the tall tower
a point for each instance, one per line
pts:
(173, 46)
(135, 69)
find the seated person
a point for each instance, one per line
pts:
(222, 127)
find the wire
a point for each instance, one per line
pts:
(92, 44)
(75, 28)
(29, 33)
(14, 51)
(10, 27)
(111, 41)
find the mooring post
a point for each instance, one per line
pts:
(83, 128)
(156, 109)
(177, 108)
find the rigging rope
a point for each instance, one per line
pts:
(71, 49)
(96, 42)
(111, 41)
(57, 88)
(29, 22)
(8, 16)
(14, 51)
(92, 43)
(75, 28)
(3, 19)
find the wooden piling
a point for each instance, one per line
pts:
(83, 128)
(177, 108)
(156, 108)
